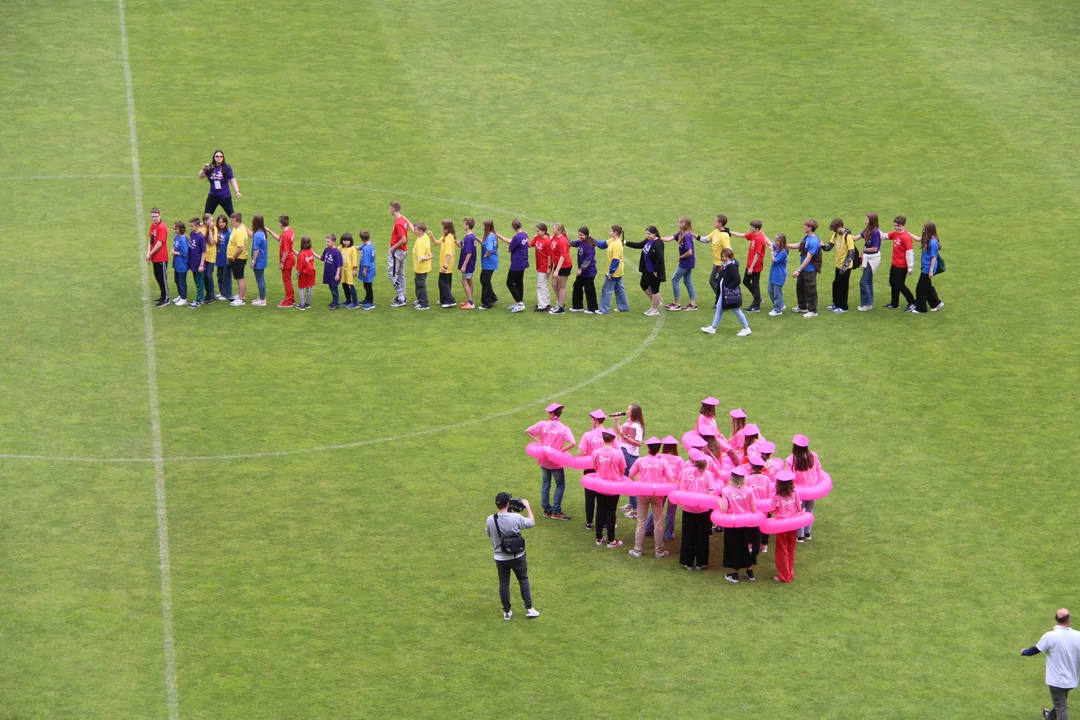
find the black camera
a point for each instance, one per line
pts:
(516, 505)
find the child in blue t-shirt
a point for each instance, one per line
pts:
(180, 262)
(224, 276)
(778, 273)
(367, 269)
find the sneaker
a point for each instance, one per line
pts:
(910, 307)
(532, 613)
(486, 307)
(651, 313)
(284, 304)
(839, 310)
(559, 516)
(352, 306)
(368, 306)
(618, 310)
(732, 578)
(831, 307)
(673, 307)
(809, 314)
(557, 311)
(573, 309)
(466, 306)
(750, 574)
(865, 308)
(423, 307)
(516, 308)
(937, 307)
(807, 537)
(221, 297)
(890, 306)
(448, 305)
(237, 303)
(774, 312)
(508, 614)
(753, 309)
(546, 308)
(744, 332)
(798, 539)
(398, 303)
(180, 302)
(591, 312)
(689, 307)
(662, 553)
(300, 307)
(161, 303)
(798, 309)
(176, 300)
(764, 549)
(588, 526)
(913, 311)
(632, 514)
(547, 513)
(709, 330)
(600, 542)
(636, 553)
(194, 304)
(614, 544)
(333, 306)
(260, 302)
(776, 578)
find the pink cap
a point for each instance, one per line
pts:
(598, 415)
(801, 441)
(696, 456)
(739, 471)
(710, 401)
(767, 447)
(696, 442)
(553, 407)
(751, 429)
(706, 432)
(608, 432)
(785, 475)
(754, 458)
(654, 441)
(738, 413)
(669, 440)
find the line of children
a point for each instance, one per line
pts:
(222, 247)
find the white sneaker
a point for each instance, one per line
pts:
(636, 553)
(937, 307)
(176, 300)
(809, 314)
(219, 296)
(866, 308)
(237, 302)
(774, 313)
(532, 613)
(508, 614)
(577, 309)
(709, 330)
(181, 302)
(744, 332)
(259, 303)
(651, 313)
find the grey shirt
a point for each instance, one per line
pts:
(510, 524)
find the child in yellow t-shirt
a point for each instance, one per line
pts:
(421, 264)
(350, 265)
(447, 245)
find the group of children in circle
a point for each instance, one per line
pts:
(221, 249)
(726, 485)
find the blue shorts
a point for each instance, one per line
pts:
(466, 276)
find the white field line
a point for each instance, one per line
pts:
(171, 692)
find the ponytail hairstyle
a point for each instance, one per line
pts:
(929, 231)
(589, 239)
(701, 465)
(784, 488)
(558, 229)
(871, 225)
(803, 460)
(516, 224)
(781, 241)
(637, 416)
(541, 227)
(617, 231)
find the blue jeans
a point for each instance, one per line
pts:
(684, 275)
(208, 280)
(260, 280)
(181, 283)
(866, 287)
(808, 506)
(545, 489)
(614, 285)
(224, 281)
(776, 294)
(630, 460)
(334, 293)
(720, 311)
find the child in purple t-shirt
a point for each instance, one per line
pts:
(519, 263)
(332, 262)
(196, 258)
(685, 238)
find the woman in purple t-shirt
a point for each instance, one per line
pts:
(220, 176)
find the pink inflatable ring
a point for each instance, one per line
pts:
(772, 526)
(818, 490)
(558, 458)
(692, 501)
(737, 520)
(605, 487)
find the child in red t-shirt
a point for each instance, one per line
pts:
(542, 242)
(903, 262)
(755, 262)
(286, 259)
(305, 272)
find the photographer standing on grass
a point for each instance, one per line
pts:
(1062, 648)
(504, 528)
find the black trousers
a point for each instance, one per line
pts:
(350, 294)
(520, 568)
(695, 539)
(368, 300)
(487, 293)
(924, 291)
(446, 294)
(840, 283)
(590, 502)
(716, 280)
(898, 285)
(212, 204)
(515, 283)
(752, 281)
(587, 287)
(606, 508)
(160, 276)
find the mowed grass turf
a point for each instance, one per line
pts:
(357, 582)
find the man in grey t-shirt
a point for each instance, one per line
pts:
(505, 524)
(1062, 648)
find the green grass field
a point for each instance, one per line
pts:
(356, 582)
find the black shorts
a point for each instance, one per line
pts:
(565, 272)
(238, 269)
(650, 283)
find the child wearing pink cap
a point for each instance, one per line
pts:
(651, 468)
(592, 440)
(707, 417)
(762, 486)
(804, 463)
(738, 422)
(694, 552)
(785, 504)
(748, 437)
(740, 544)
(772, 465)
(553, 434)
(610, 465)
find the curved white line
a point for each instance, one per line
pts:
(361, 443)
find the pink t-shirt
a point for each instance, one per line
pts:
(609, 463)
(738, 499)
(763, 488)
(705, 422)
(789, 506)
(694, 480)
(773, 466)
(652, 469)
(551, 433)
(675, 463)
(804, 477)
